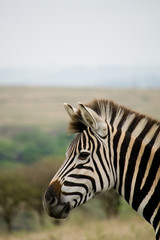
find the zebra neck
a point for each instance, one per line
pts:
(134, 153)
(127, 163)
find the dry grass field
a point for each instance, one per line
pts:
(118, 228)
(25, 106)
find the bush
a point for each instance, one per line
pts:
(33, 145)
(110, 203)
(8, 150)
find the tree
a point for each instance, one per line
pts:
(13, 191)
(23, 188)
(38, 176)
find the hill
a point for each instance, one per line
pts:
(101, 76)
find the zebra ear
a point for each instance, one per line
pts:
(92, 120)
(69, 109)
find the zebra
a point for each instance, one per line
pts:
(114, 147)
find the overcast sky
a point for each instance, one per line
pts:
(59, 34)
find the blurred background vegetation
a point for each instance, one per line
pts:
(33, 141)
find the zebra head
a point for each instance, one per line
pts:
(87, 169)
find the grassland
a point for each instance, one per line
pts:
(118, 228)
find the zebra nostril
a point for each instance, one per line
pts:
(53, 200)
(51, 195)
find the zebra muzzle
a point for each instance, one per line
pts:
(52, 203)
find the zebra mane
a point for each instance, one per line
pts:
(112, 112)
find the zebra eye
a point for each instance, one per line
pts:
(83, 155)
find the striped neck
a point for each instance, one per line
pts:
(136, 142)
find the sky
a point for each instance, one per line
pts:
(60, 34)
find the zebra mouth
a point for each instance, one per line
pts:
(59, 211)
(66, 210)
